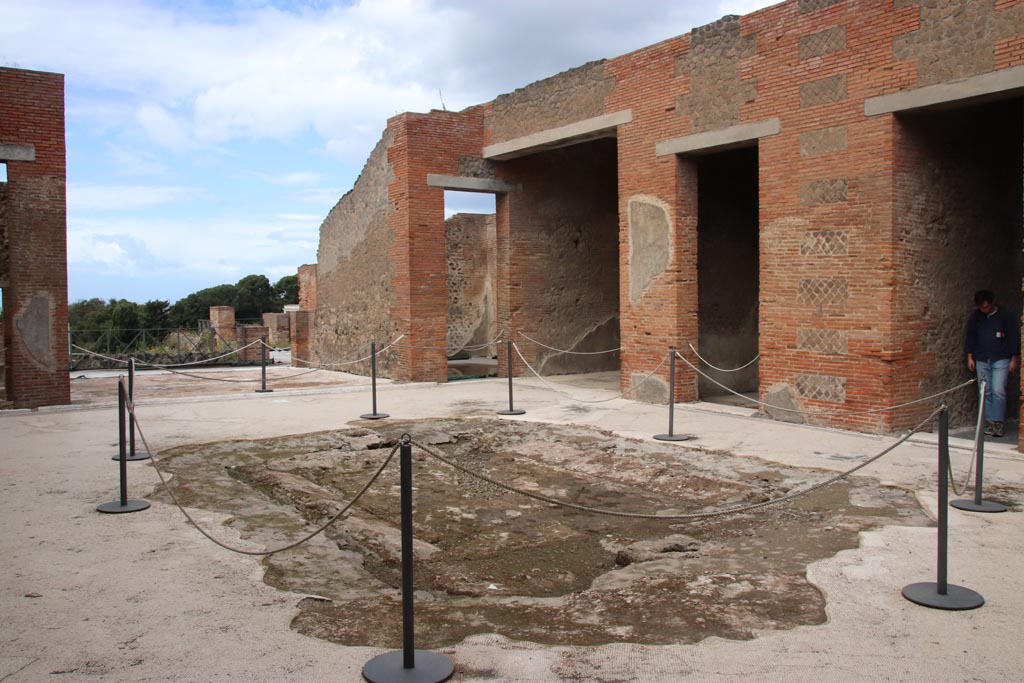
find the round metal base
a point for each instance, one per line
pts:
(132, 458)
(431, 667)
(374, 416)
(115, 507)
(511, 412)
(956, 597)
(983, 506)
(673, 437)
(264, 391)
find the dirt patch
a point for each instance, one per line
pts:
(489, 561)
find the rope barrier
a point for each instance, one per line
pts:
(475, 347)
(575, 353)
(974, 452)
(242, 551)
(584, 400)
(824, 414)
(715, 367)
(676, 517)
(339, 364)
(205, 361)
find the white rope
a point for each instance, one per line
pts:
(341, 364)
(974, 447)
(583, 400)
(576, 353)
(715, 367)
(818, 414)
(205, 361)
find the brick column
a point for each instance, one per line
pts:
(35, 294)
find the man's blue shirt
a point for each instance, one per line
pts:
(992, 337)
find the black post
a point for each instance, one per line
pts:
(123, 504)
(413, 666)
(942, 595)
(979, 505)
(511, 408)
(263, 367)
(373, 386)
(132, 455)
(672, 436)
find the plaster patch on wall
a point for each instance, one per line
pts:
(34, 323)
(650, 243)
(781, 404)
(653, 390)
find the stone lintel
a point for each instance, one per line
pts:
(468, 184)
(718, 140)
(15, 152)
(572, 134)
(1004, 82)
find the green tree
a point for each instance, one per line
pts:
(287, 290)
(189, 311)
(154, 314)
(254, 296)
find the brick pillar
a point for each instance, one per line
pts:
(248, 334)
(307, 287)
(301, 325)
(222, 319)
(277, 324)
(35, 293)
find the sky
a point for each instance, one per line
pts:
(207, 140)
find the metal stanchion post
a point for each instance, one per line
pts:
(132, 455)
(410, 665)
(979, 505)
(672, 436)
(263, 367)
(941, 594)
(123, 504)
(373, 386)
(511, 408)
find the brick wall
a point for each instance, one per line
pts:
(307, 287)
(222, 319)
(249, 334)
(277, 329)
(859, 299)
(35, 294)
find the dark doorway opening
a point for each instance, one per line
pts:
(728, 273)
(958, 213)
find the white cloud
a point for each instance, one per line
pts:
(293, 178)
(88, 197)
(162, 127)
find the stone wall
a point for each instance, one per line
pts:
(354, 293)
(564, 257)
(958, 203)
(35, 292)
(470, 249)
(562, 99)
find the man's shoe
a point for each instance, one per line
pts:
(998, 431)
(990, 429)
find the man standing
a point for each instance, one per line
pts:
(993, 351)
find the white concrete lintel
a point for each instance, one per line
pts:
(15, 152)
(717, 140)
(468, 184)
(1002, 82)
(582, 131)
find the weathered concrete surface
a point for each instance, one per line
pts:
(182, 609)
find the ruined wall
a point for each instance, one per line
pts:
(222, 320)
(470, 245)
(728, 274)
(564, 257)
(562, 99)
(354, 295)
(277, 325)
(307, 287)
(958, 207)
(4, 257)
(35, 294)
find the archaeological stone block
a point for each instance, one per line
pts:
(824, 191)
(823, 91)
(825, 243)
(823, 141)
(823, 42)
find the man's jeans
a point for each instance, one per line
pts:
(994, 373)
